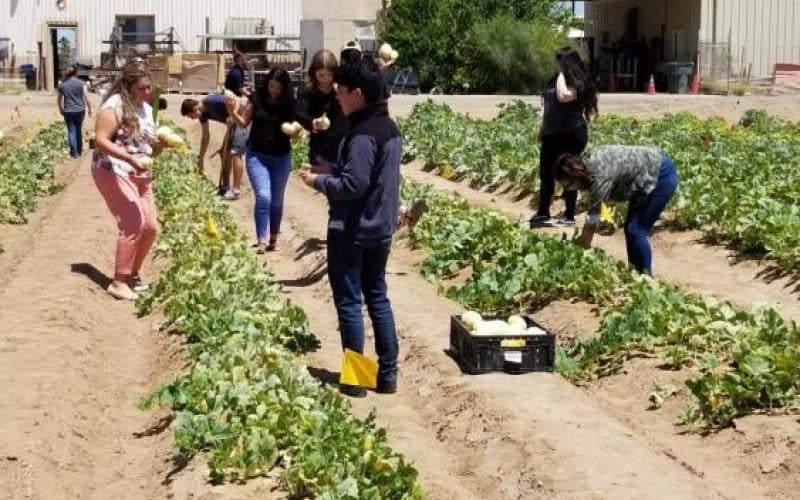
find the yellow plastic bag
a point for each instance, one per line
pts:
(359, 370)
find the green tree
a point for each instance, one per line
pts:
(64, 53)
(433, 36)
(512, 56)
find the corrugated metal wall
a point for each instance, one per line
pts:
(762, 32)
(25, 21)
(681, 19)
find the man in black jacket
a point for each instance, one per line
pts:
(363, 191)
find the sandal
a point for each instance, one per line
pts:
(261, 248)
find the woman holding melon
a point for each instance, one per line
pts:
(569, 103)
(270, 114)
(126, 139)
(319, 112)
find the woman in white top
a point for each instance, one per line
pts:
(125, 143)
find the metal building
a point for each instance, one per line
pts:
(733, 38)
(43, 32)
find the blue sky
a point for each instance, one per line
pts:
(578, 7)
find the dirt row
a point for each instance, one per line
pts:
(518, 436)
(531, 436)
(73, 361)
(74, 364)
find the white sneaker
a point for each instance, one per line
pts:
(564, 222)
(121, 293)
(232, 195)
(138, 286)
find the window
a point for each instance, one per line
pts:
(137, 29)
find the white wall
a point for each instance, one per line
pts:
(340, 18)
(762, 32)
(26, 21)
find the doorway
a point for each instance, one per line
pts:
(64, 46)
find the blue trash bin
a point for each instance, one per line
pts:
(29, 70)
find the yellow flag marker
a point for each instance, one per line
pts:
(605, 214)
(211, 227)
(359, 370)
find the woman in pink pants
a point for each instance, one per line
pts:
(125, 142)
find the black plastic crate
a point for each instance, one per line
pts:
(484, 354)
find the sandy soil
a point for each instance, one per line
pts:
(639, 105)
(524, 437)
(75, 362)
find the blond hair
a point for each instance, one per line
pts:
(132, 72)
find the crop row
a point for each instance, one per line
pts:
(741, 362)
(246, 399)
(28, 171)
(739, 185)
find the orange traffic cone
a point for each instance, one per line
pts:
(694, 86)
(651, 86)
(612, 84)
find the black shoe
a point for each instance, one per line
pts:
(540, 221)
(352, 391)
(221, 190)
(564, 222)
(386, 386)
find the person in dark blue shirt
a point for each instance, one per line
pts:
(235, 81)
(213, 108)
(363, 191)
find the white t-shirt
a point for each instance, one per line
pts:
(135, 143)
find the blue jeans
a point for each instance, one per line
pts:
(268, 176)
(74, 121)
(643, 216)
(356, 268)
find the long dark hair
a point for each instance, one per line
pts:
(281, 76)
(579, 78)
(324, 59)
(572, 168)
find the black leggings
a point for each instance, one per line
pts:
(553, 146)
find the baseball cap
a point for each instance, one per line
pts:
(351, 45)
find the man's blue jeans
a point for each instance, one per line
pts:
(357, 268)
(74, 121)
